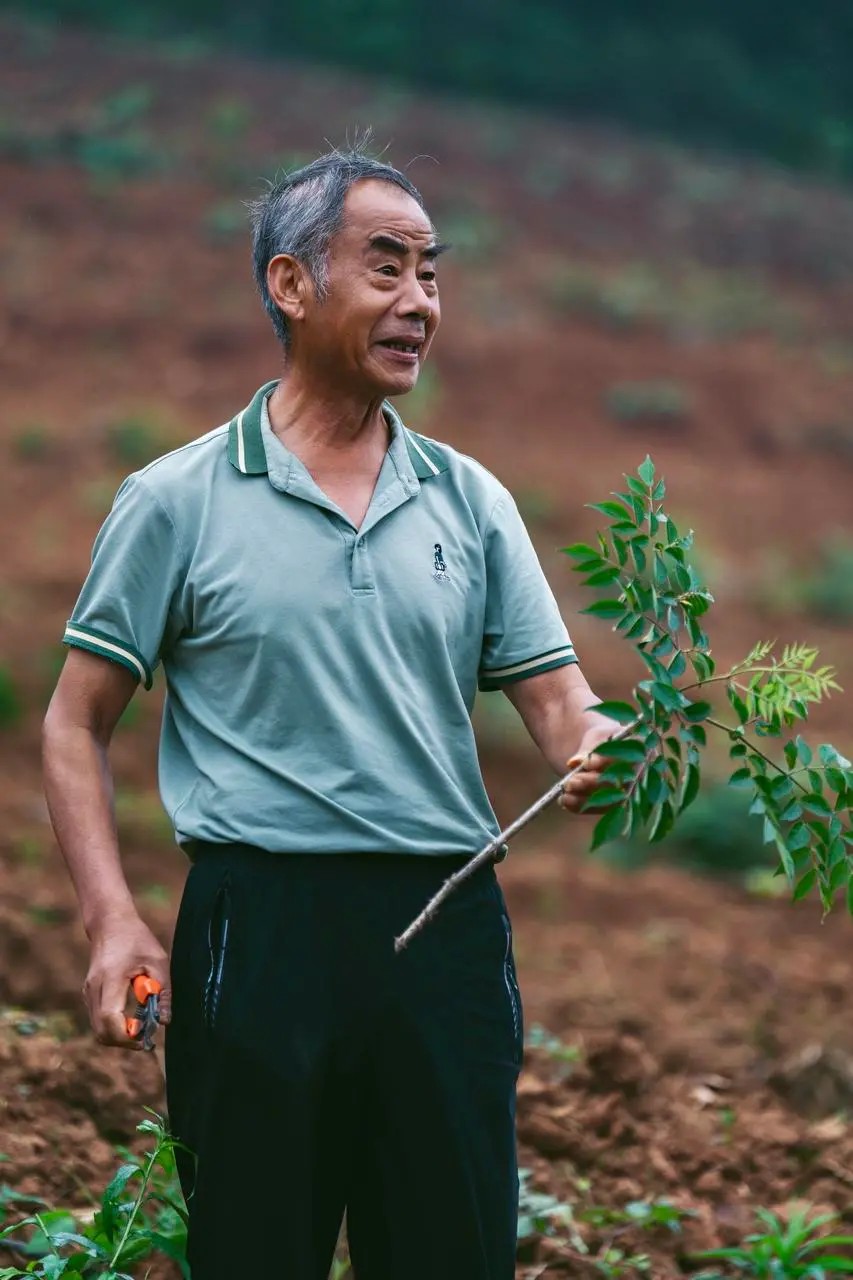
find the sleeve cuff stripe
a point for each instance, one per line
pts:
(564, 654)
(109, 649)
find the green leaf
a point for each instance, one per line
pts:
(605, 609)
(602, 796)
(805, 885)
(790, 750)
(615, 510)
(804, 750)
(691, 787)
(836, 779)
(625, 749)
(850, 896)
(623, 712)
(175, 1250)
(839, 876)
(639, 557)
(112, 1198)
(741, 778)
(666, 695)
(662, 822)
(814, 803)
(646, 471)
(678, 666)
(697, 711)
(583, 551)
(608, 827)
(603, 577)
(740, 707)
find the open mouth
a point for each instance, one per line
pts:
(404, 348)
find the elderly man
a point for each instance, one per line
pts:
(326, 590)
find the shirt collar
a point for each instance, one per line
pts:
(247, 454)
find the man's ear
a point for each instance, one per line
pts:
(290, 285)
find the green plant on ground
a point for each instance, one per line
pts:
(537, 506)
(825, 591)
(96, 495)
(421, 401)
(133, 442)
(229, 120)
(32, 443)
(474, 233)
(784, 1250)
(653, 402)
(11, 702)
(224, 219)
(542, 1214)
(564, 1056)
(141, 813)
(141, 1213)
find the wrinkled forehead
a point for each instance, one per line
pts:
(372, 206)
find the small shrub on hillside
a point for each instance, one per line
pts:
(133, 442)
(229, 119)
(825, 591)
(472, 232)
(423, 398)
(11, 702)
(648, 403)
(536, 506)
(224, 219)
(693, 305)
(32, 443)
(834, 438)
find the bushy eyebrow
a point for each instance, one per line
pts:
(390, 244)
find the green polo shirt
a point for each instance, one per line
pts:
(320, 678)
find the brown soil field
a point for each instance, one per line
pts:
(712, 1027)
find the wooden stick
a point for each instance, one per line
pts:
(487, 854)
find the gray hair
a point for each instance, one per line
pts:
(302, 211)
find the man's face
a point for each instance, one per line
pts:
(372, 330)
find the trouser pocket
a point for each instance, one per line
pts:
(218, 931)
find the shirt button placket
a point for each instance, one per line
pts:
(362, 578)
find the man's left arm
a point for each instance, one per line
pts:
(557, 708)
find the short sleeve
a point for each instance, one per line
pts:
(126, 605)
(524, 634)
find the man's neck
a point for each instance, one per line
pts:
(312, 422)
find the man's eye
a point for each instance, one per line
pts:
(428, 275)
(388, 270)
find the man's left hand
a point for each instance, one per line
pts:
(588, 780)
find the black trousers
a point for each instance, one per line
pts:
(312, 1070)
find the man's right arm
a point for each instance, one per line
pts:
(89, 699)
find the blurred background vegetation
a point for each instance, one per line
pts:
(771, 79)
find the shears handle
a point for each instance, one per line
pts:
(143, 1025)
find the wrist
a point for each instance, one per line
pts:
(105, 916)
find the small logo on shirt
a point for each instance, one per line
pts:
(439, 571)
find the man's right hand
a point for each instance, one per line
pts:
(121, 948)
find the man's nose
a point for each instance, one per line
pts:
(415, 301)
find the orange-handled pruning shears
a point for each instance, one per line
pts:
(147, 1018)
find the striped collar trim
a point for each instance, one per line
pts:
(247, 454)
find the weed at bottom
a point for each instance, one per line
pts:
(792, 1250)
